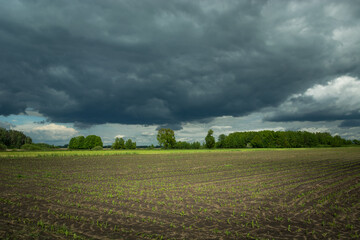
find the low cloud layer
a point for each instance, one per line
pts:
(6, 125)
(171, 62)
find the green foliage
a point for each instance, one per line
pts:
(37, 147)
(31, 147)
(92, 141)
(129, 144)
(279, 139)
(13, 138)
(221, 141)
(77, 142)
(97, 148)
(166, 138)
(118, 144)
(257, 142)
(182, 145)
(80, 142)
(337, 141)
(2, 147)
(195, 145)
(209, 139)
(187, 145)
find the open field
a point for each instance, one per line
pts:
(271, 194)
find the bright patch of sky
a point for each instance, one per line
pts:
(20, 119)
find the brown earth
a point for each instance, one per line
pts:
(286, 194)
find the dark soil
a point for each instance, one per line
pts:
(279, 194)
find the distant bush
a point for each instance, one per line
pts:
(187, 145)
(31, 147)
(37, 147)
(97, 148)
(2, 147)
(151, 146)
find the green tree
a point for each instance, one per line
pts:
(209, 139)
(195, 145)
(4, 136)
(72, 143)
(77, 142)
(337, 141)
(257, 142)
(118, 144)
(2, 147)
(182, 145)
(92, 141)
(270, 139)
(166, 138)
(130, 144)
(13, 138)
(221, 141)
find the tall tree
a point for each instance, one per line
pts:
(118, 144)
(221, 141)
(166, 138)
(92, 141)
(129, 144)
(77, 142)
(209, 139)
(13, 138)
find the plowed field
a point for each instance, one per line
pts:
(287, 194)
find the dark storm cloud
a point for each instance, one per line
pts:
(350, 123)
(164, 62)
(174, 127)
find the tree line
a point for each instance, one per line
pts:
(279, 139)
(260, 139)
(166, 139)
(12, 139)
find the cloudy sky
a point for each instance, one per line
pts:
(127, 67)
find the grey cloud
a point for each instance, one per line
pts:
(6, 125)
(161, 62)
(312, 115)
(82, 125)
(41, 122)
(174, 126)
(350, 123)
